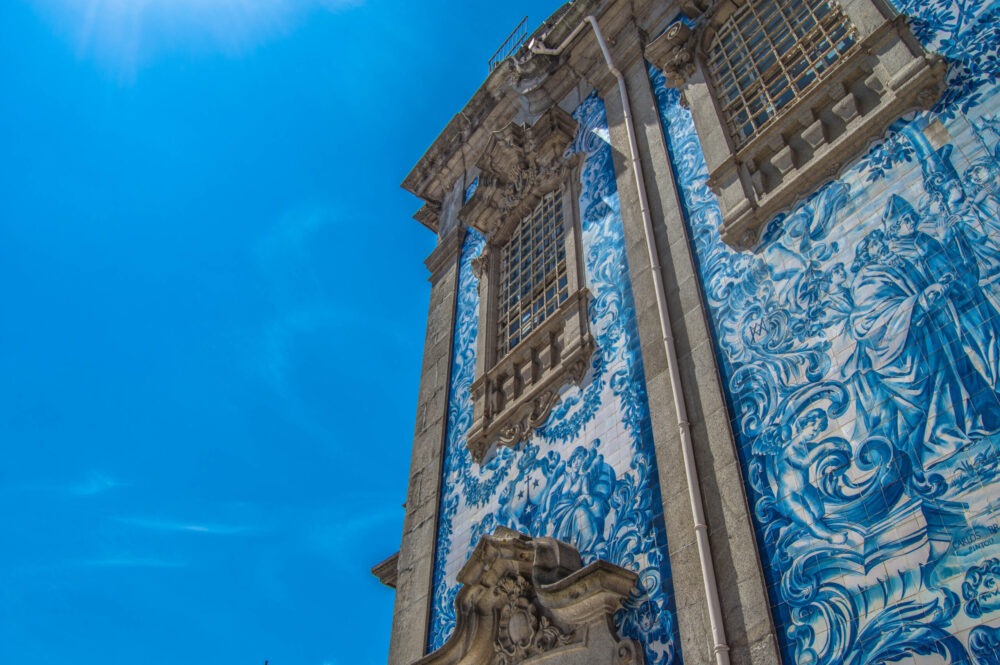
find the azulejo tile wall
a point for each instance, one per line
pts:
(860, 349)
(588, 475)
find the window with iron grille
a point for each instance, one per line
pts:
(534, 327)
(533, 280)
(786, 94)
(769, 52)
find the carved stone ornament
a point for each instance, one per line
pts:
(522, 631)
(675, 52)
(479, 265)
(516, 394)
(884, 75)
(519, 165)
(530, 600)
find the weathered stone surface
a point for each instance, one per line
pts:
(415, 558)
(521, 91)
(530, 600)
(703, 395)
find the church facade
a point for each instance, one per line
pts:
(712, 363)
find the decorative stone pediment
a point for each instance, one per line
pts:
(519, 165)
(530, 600)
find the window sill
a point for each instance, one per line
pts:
(821, 132)
(517, 394)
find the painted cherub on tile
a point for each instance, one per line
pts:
(790, 467)
(981, 588)
(579, 498)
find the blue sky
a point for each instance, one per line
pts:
(213, 307)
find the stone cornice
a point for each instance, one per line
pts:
(445, 254)
(523, 87)
(429, 215)
(526, 85)
(387, 571)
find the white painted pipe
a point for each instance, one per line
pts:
(719, 646)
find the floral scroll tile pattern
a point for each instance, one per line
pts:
(860, 350)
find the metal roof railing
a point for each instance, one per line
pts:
(511, 44)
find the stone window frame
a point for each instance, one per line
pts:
(884, 75)
(514, 392)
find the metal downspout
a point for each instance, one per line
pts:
(719, 646)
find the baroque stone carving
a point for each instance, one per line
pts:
(480, 264)
(519, 165)
(535, 411)
(677, 53)
(517, 393)
(528, 600)
(522, 631)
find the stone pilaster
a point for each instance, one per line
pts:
(746, 614)
(416, 554)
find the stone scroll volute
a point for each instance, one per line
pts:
(531, 601)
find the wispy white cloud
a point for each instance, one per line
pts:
(125, 34)
(280, 335)
(105, 562)
(293, 231)
(93, 484)
(96, 482)
(303, 307)
(314, 317)
(176, 526)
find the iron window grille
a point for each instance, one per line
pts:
(534, 334)
(533, 280)
(768, 53)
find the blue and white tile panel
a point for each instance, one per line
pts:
(860, 349)
(588, 476)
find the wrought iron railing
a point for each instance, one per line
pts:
(511, 44)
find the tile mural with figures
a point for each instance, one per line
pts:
(860, 350)
(588, 475)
